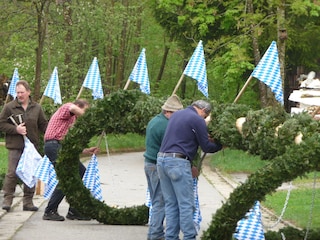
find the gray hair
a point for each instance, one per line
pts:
(201, 104)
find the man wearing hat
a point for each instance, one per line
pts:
(154, 135)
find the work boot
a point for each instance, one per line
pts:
(27, 199)
(7, 202)
(75, 215)
(30, 208)
(53, 216)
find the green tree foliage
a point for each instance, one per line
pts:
(226, 27)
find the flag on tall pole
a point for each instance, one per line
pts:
(268, 71)
(250, 227)
(197, 217)
(46, 173)
(91, 178)
(14, 80)
(93, 80)
(196, 69)
(53, 88)
(139, 73)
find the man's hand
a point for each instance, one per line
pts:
(21, 129)
(195, 172)
(91, 150)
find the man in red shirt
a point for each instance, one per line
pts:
(61, 121)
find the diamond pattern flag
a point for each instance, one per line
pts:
(46, 173)
(28, 163)
(93, 80)
(148, 203)
(53, 88)
(196, 69)
(197, 218)
(250, 227)
(139, 73)
(268, 71)
(14, 80)
(91, 178)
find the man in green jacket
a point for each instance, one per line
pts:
(18, 118)
(154, 135)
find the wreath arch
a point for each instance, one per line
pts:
(130, 111)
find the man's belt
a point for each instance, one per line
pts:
(173, 155)
(52, 141)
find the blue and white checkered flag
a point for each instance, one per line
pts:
(268, 71)
(148, 203)
(139, 73)
(91, 178)
(196, 69)
(93, 80)
(46, 173)
(250, 227)
(53, 88)
(14, 80)
(197, 218)
(28, 163)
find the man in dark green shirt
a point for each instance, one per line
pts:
(154, 135)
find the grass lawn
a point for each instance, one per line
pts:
(300, 201)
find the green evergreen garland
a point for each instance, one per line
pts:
(130, 111)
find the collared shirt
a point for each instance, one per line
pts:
(59, 123)
(186, 131)
(154, 135)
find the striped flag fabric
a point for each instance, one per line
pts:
(47, 174)
(53, 88)
(139, 73)
(14, 80)
(91, 178)
(250, 227)
(148, 203)
(93, 80)
(196, 69)
(197, 218)
(268, 71)
(28, 163)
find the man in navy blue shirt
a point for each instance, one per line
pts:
(186, 131)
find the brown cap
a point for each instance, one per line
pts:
(172, 104)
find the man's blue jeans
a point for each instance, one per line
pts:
(156, 230)
(177, 188)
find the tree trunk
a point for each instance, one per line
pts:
(163, 62)
(257, 57)
(282, 36)
(42, 20)
(121, 57)
(67, 14)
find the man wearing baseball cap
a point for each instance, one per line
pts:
(154, 135)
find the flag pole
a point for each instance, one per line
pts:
(242, 90)
(127, 84)
(178, 84)
(80, 92)
(100, 138)
(41, 100)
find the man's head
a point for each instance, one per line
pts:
(82, 103)
(172, 105)
(203, 107)
(23, 91)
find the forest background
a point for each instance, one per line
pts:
(38, 35)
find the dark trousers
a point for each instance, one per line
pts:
(51, 150)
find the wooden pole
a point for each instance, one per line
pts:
(80, 91)
(7, 98)
(242, 90)
(41, 100)
(178, 84)
(127, 85)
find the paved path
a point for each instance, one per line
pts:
(123, 184)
